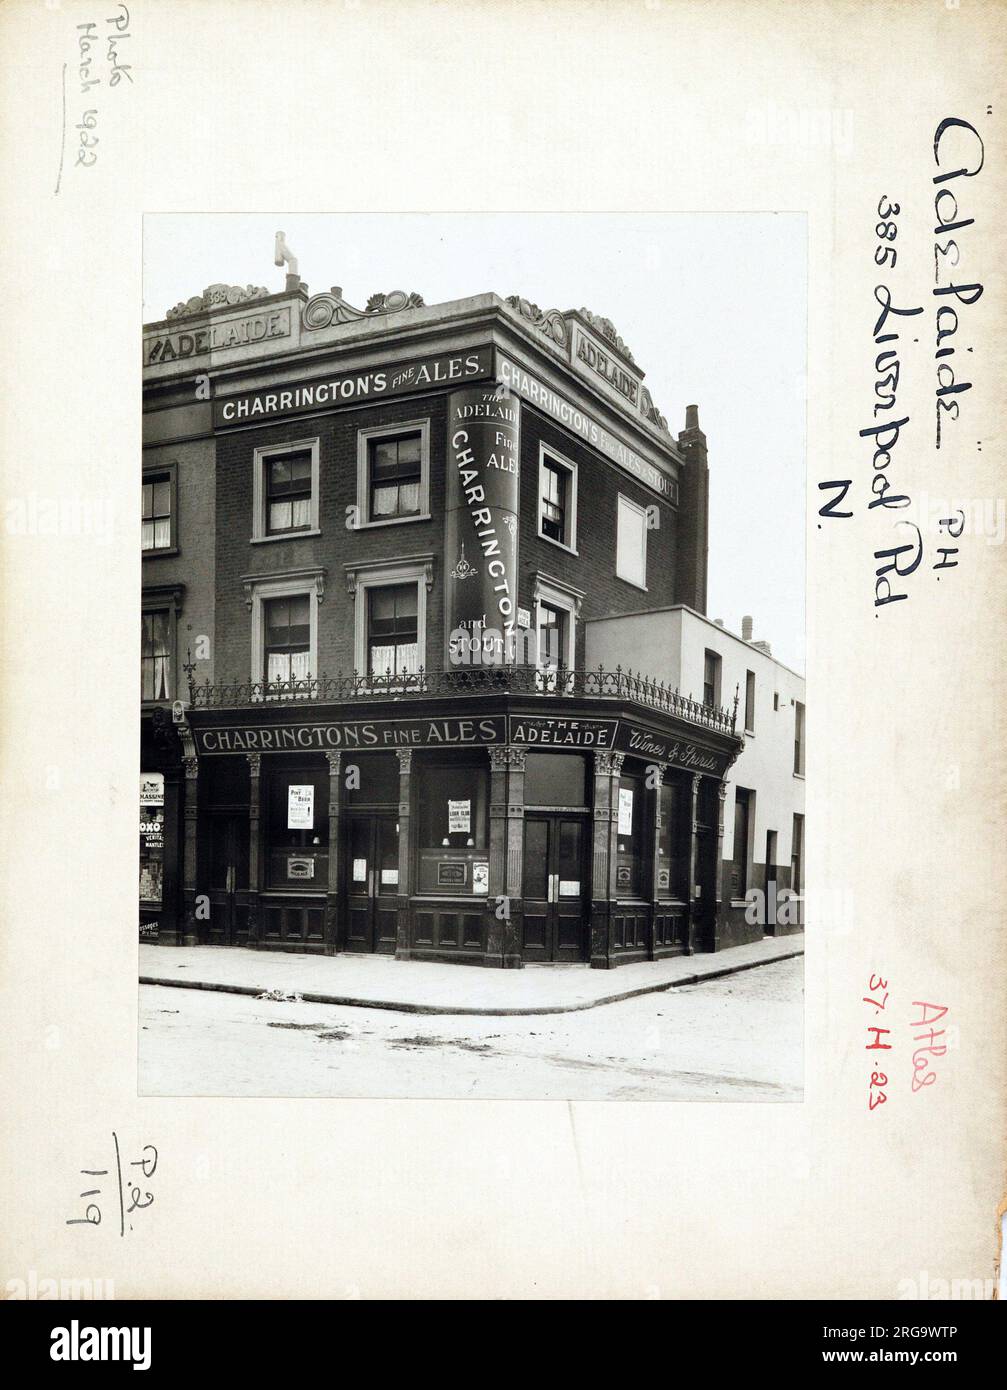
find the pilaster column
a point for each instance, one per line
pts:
(190, 851)
(605, 821)
(402, 946)
(719, 870)
(503, 908)
(513, 877)
(655, 776)
(254, 839)
(334, 887)
(691, 916)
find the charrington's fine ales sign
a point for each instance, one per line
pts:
(351, 735)
(348, 388)
(481, 521)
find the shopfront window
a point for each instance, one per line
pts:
(371, 779)
(673, 863)
(453, 828)
(297, 829)
(630, 841)
(151, 838)
(556, 780)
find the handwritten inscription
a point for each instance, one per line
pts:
(100, 58)
(959, 154)
(930, 1041)
(877, 1095)
(923, 1072)
(122, 1188)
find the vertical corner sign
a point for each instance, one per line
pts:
(481, 535)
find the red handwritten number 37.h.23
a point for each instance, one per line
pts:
(929, 1040)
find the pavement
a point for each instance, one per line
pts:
(736, 1038)
(428, 987)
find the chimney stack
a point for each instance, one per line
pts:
(693, 515)
(746, 629)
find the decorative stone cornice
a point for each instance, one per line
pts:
(329, 307)
(551, 323)
(361, 569)
(651, 412)
(607, 330)
(217, 297)
(313, 576)
(152, 595)
(504, 755)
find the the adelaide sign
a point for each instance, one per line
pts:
(217, 336)
(347, 388)
(481, 525)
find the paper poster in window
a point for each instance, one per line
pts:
(300, 806)
(625, 810)
(459, 817)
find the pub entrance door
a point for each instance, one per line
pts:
(371, 875)
(227, 924)
(556, 891)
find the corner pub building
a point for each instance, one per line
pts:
(372, 540)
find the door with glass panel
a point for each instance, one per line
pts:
(228, 877)
(371, 875)
(556, 892)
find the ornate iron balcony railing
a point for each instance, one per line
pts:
(466, 680)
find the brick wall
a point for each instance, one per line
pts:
(592, 569)
(599, 485)
(337, 545)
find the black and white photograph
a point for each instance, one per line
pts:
(517, 487)
(465, 768)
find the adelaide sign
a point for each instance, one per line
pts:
(348, 388)
(481, 522)
(216, 337)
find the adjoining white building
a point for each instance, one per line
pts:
(763, 843)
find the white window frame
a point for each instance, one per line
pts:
(718, 677)
(545, 451)
(623, 501)
(379, 574)
(260, 457)
(750, 723)
(557, 595)
(259, 592)
(364, 440)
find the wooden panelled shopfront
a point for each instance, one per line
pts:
(501, 835)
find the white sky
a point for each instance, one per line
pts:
(712, 306)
